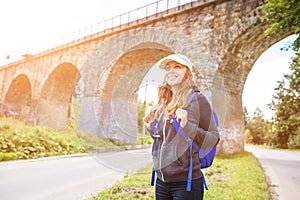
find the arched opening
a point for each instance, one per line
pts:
(147, 97)
(116, 95)
(115, 73)
(232, 73)
(18, 97)
(54, 107)
(259, 89)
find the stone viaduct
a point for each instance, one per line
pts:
(223, 38)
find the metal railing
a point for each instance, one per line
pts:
(108, 24)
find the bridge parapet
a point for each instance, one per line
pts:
(127, 20)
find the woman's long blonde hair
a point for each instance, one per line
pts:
(169, 101)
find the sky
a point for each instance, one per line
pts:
(30, 24)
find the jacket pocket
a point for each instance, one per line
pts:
(182, 154)
(177, 156)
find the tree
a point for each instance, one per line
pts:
(287, 107)
(257, 128)
(283, 15)
(246, 116)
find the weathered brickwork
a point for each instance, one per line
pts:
(223, 39)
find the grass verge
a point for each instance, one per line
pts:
(20, 141)
(239, 176)
(234, 177)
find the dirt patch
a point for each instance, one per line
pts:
(132, 190)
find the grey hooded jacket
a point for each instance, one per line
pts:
(172, 154)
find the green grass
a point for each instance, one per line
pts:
(147, 138)
(234, 177)
(18, 140)
(239, 176)
(21, 141)
(90, 141)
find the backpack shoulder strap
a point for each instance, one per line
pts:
(192, 96)
(192, 144)
(213, 111)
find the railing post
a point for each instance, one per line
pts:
(128, 17)
(167, 5)
(147, 11)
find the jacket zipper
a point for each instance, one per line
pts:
(160, 155)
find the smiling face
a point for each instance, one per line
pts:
(175, 73)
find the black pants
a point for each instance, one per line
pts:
(177, 190)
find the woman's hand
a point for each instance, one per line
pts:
(147, 119)
(182, 116)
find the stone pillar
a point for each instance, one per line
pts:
(233, 125)
(227, 102)
(109, 119)
(88, 120)
(24, 112)
(118, 120)
(32, 115)
(53, 113)
(2, 109)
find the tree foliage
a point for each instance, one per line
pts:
(284, 130)
(257, 128)
(246, 116)
(283, 15)
(287, 107)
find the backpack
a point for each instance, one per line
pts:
(206, 155)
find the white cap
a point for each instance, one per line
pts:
(175, 57)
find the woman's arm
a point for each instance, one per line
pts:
(201, 125)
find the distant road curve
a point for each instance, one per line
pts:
(67, 177)
(282, 169)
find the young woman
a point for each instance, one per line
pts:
(171, 152)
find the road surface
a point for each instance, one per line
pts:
(67, 177)
(283, 171)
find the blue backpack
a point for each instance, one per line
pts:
(206, 155)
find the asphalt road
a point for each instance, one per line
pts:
(283, 171)
(67, 177)
(79, 177)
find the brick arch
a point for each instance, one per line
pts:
(56, 96)
(60, 83)
(18, 97)
(111, 49)
(230, 78)
(118, 105)
(120, 72)
(246, 44)
(248, 15)
(139, 60)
